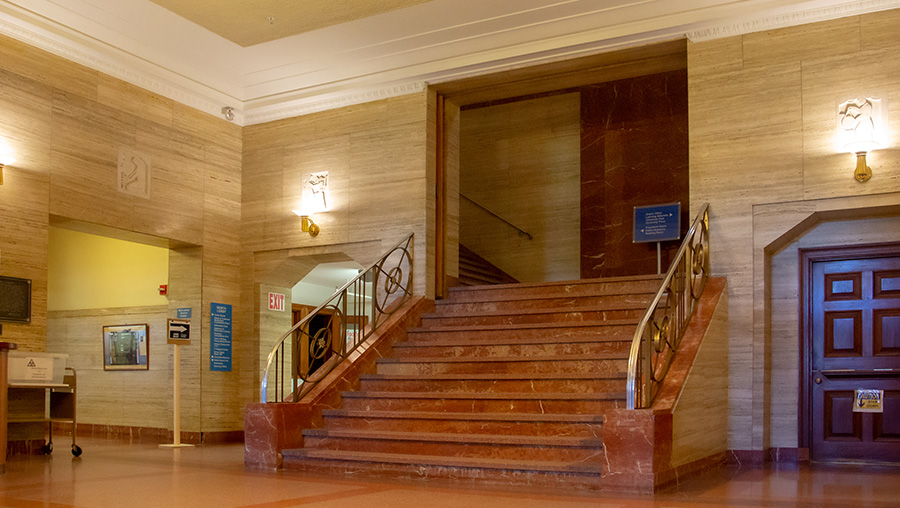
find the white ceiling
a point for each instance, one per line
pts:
(387, 54)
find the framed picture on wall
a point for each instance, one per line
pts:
(125, 347)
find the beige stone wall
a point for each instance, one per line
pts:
(65, 124)
(762, 127)
(380, 162)
(522, 161)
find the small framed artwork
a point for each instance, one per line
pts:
(125, 347)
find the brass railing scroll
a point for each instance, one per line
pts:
(330, 333)
(659, 332)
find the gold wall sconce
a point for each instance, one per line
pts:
(307, 225)
(4, 160)
(861, 128)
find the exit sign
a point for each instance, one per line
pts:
(276, 301)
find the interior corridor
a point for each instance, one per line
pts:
(113, 474)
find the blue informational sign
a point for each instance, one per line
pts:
(184, 313)
(220, 337)
(657, 223)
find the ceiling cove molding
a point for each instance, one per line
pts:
(136, 71)
(732, 28)
(300, 107)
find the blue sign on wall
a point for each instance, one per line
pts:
(657, 223)
(184, 313)
(220, 337)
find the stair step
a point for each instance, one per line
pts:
(450, 307)
(619, 327)
(511, 402)
(568, 474)
(565, 448)
(528, 316)
(585, 287)
(506, 349)
(597, 364)
(589, 425)
(562, 383)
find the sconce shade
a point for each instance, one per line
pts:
(861, 125)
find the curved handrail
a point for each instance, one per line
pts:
(360, 303)
(660, 330)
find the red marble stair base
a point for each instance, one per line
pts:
(522, 398)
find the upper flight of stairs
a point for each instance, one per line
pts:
(474, 270)
(505, 383)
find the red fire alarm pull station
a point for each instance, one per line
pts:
(163, 289)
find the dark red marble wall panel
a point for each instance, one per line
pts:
(634, 152)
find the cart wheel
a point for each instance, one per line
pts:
(76, 450)
(47, 448)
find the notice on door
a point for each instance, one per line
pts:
(868, 401)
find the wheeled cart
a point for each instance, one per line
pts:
(28, 409)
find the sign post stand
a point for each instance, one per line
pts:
(657, 223)
(179, 333)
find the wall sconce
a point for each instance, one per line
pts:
(315, 187)
(4, 160)
(862, 127)
(306, 223)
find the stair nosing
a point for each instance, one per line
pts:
(452, 415)
(444, 461)
(534, 312)
(504, 359)
(450, 437)
(458, 342)
(492, 377)
(520, 326)
(483, 396)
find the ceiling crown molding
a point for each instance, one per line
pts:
(317, 104)
(731, 28)
(126, 67)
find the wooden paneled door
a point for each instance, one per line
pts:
(852, 342)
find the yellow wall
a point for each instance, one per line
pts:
(762, 127)
(87, 271)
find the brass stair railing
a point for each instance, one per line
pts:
(330, 333)
(660, 330)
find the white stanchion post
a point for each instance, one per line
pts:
(176, 385)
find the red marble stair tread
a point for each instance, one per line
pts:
(506, 341)
(484, 396)
(488, 377)
(549, 310)
(506, 359)
(464, 438)
(574, 282)
(436, 415)
(568, 324)
(433, 460)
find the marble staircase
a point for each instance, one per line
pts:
(504, 383)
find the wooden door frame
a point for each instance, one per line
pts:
(807, 258)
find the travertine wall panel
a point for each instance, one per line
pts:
(65, 125)
(762, 120)
(522, 161)
(138, 398)
(379, 176)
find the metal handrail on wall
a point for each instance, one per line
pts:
(659, 332)
(521, 231)
(329, 334)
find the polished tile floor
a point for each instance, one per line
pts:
(111, 474)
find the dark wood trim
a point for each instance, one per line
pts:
(440, 205)
(807, 258)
